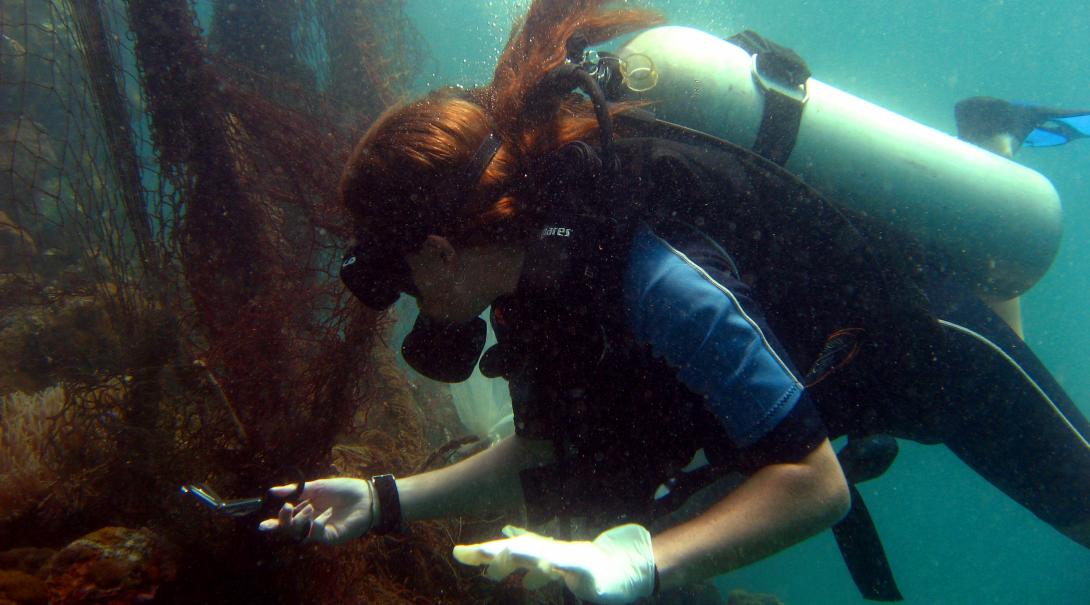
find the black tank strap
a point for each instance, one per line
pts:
(863, 458)
(861, 548)
(781, 74)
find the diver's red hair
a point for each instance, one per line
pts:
(411, 152)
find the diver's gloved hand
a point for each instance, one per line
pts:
(617, 567)
(346, 506)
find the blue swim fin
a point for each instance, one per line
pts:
(1004, 126)
(1057, 127)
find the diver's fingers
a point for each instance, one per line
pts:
(283, 491)
(475, 554)
(282, 520)
(303, 509)
(284, 516)
(325, 516)
(320, 531)
(302, 524)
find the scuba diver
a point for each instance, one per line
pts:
(673, 309)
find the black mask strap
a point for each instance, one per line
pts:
(375, 270)
(452, 200)
(481, 159)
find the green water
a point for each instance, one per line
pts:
(952, 538)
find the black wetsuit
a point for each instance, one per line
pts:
(629, 373)
(604, 359)
(1031, 444)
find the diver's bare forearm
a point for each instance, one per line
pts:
(778, 506)
(486, 482)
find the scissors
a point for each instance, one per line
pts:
(243, 506)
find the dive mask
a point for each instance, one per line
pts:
(376, 274)
(441, 351)
(375, 271)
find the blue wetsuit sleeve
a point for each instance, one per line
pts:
(707, 328)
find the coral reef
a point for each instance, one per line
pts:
(68, 338)
(168, 252)
(26, 473)
(54, 457)
(111, 565)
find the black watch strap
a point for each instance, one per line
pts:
(389, 504)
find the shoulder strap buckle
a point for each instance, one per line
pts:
(769, 73)
(782, 76)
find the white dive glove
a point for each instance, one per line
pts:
(617, 567)
(329, 511)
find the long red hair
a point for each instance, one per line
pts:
(412, 152)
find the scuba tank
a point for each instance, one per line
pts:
(993, 224)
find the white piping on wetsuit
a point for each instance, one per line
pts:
(1032, 382)
(737, 304)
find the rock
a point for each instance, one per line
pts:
(741, 597)
(27, 560)
(703, 593)
(71, 339)
(108, 566)
(21, 588)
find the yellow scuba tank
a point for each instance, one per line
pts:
(994, 223)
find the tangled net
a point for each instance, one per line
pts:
(169, 242)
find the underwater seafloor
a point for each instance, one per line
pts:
(170, 313)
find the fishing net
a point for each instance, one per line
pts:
(169, 242)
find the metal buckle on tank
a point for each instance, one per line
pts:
(769, 83)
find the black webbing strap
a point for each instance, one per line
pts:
(865, 458)
(781, 74)
(862, 551)
(862, 459)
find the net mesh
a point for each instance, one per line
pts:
(169, 244)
